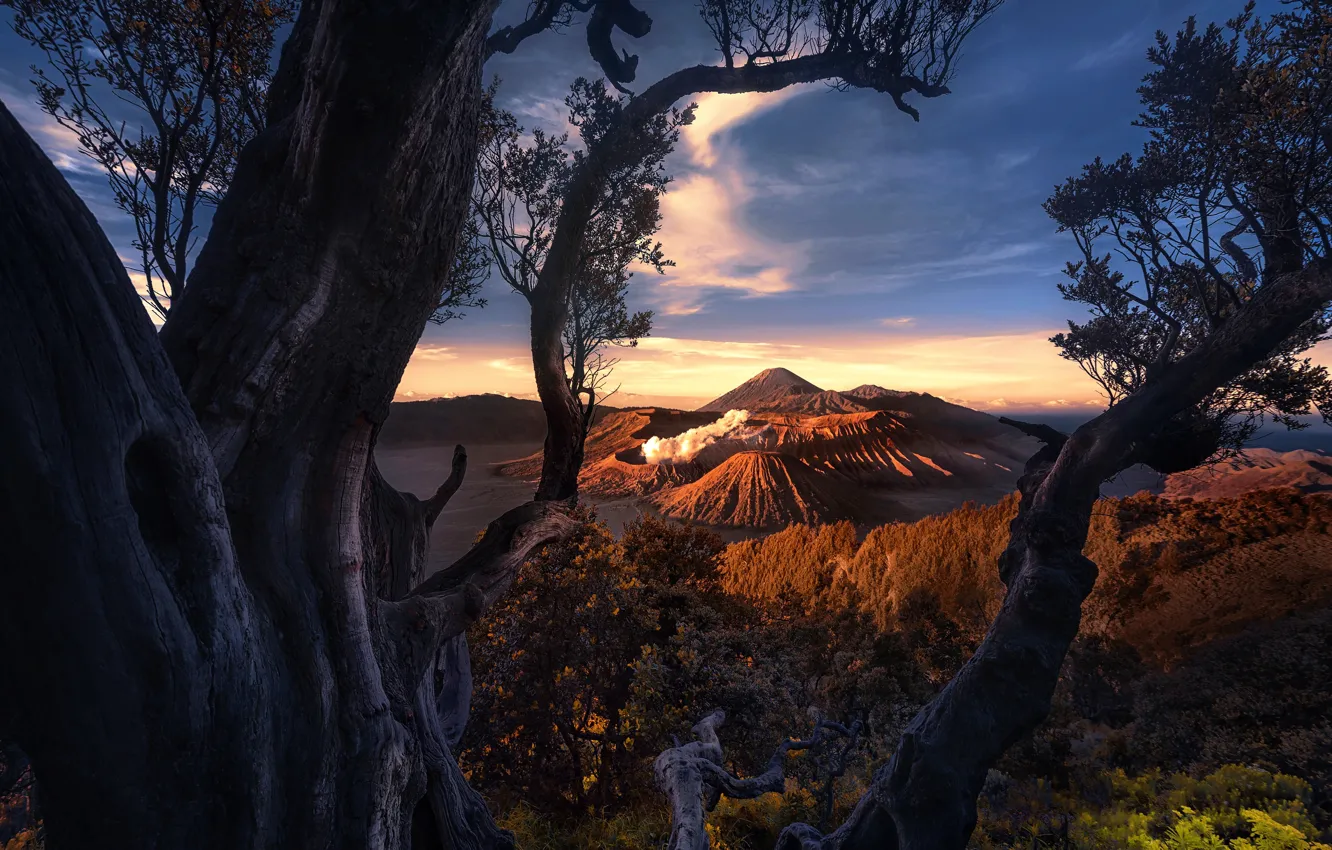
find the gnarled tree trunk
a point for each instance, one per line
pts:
(197, 536)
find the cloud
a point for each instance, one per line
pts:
(701, 348)
(140, 281)
(516, 365)
(428, 351)
(897, 321)
(542, 112)
(717, 113)
(704, 227)
(969, 263)
(1009, 160)
(1117, 50)
(58, 142)
(679, 307)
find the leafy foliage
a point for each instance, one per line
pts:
(21, 826)
(1231, 807)
(896, 46)
(1232, 191)
(195, 76)
(605, 649)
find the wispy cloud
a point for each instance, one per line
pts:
(536, 112)
(704, 225)
(428, 351)
(897, 321)
(513, 365)
(59, 142)
(717, 113)
(1116, 51)
(1009, 160)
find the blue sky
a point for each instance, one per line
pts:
(822, 230)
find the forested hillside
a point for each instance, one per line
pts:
(1201, 652)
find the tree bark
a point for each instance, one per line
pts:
(197, 535)
(122, 609)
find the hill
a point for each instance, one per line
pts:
(1251, 470)
(487, 418)
(476, 419)
(1174, 575)
(1254, 469)
(758, 489)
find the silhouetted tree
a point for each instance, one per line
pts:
(470, 270)
(1232, 190)
(194, 77)
(518, 197)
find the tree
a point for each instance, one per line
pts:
(196, 74)
(892, 46)
(1269, 135)
(1184, 218)
(518, 197)
(470, 270)
(556, 664)
(599, 316)
(197, 536)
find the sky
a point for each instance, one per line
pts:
(818, 230)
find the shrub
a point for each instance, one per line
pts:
(1237, 807)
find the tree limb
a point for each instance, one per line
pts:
(436, 503)
(448, 602)
(692, 776)
(545, 14)
(1044, 433)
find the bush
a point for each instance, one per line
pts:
(1233, 807)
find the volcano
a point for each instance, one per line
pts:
(756, 489)
(804, 454)
(768, 390)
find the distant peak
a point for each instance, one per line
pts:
(778, 374)
(768, 386)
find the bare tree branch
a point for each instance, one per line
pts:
(692, 775)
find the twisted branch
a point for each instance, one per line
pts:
(446, 604)
(692, 776)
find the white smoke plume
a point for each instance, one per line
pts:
(684, 447)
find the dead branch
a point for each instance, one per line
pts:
(1042, 432)
(436, 503)
(692, 775)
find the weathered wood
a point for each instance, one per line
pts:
(214, 670)
(401, 523)
(693, 778)
(122, 610)
(451, 600)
